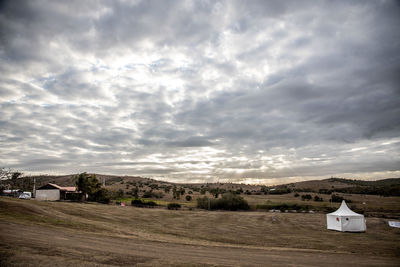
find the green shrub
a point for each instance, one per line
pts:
(173, 206)
(102, 196)
(148, 194)
(136, 202)
(228, 201)
(317, 198)
(282, 207)
(306, 197)
(188, 198)
(336, 198)
(143, 204)
(150, 203)
(280, 191)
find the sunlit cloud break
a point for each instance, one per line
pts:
(201, 91)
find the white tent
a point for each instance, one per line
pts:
(345, 220)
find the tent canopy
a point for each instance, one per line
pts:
(344, 211)
(345, 220)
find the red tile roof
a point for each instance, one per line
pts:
(67, 188)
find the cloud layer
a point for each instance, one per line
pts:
(241, 91)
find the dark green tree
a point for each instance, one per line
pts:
(87, 184)
(135, 192)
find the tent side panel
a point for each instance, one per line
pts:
(354, 224)
(332, 222)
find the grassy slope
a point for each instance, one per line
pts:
(258, 229)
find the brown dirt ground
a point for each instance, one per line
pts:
(36, 233)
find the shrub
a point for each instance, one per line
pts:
(150, 203)
(102, 196)
(228, 201)
(202, 202)
(148, 194)
(317, 198)
(203, 191)
(188, 198)
(173, 206)
(282, 207)
(280, 191)
(306, 197)
(232, 202)
(143, 204)
(153, 186)
(336, 198)
(167, 189)
(136, 202)
(296, 195)
(135, 192)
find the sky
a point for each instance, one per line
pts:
(260, 92)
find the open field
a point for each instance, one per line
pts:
(62, 233)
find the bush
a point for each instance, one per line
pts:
(336, 198)
(136, 202)
(150, 203)
(143, 204)
(102, 196)
(296, 195)
(148, 194)
(173, 206)
(283, 207)
(317, 198)
(188, 198)
(280, 191)
(306, 197)
(228, 201)
(153, 186)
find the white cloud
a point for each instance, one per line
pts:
(201, 90)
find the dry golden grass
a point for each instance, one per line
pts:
(62, 233)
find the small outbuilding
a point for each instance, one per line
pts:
(55, 192)
(345, 220)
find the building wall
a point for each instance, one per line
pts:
(48, 194)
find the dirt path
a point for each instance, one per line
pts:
(36, 245)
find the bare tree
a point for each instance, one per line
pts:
(5, 173)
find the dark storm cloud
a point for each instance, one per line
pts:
(196, 90)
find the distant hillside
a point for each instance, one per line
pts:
(385, 187)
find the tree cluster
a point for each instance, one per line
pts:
(228, 201)
(90, 186)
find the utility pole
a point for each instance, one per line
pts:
(34, 187)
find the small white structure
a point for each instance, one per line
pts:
(54, 192)
(345, 220)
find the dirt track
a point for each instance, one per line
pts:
(43, 246)
(46, 244)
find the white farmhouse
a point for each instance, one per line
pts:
(54, 192)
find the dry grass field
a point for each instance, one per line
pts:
(34, 233)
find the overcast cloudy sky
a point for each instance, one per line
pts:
(241, 91)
